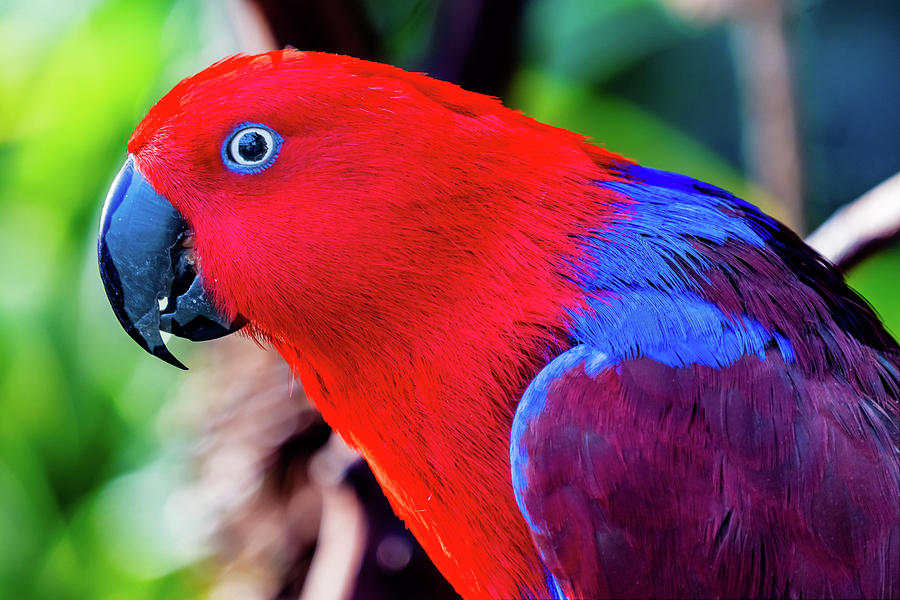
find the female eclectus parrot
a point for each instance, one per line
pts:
(573, 376)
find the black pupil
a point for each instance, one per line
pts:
(252, 146)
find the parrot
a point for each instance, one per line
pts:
(573, 376)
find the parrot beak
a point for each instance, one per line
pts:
(147, 267)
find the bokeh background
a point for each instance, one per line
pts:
(102, 448)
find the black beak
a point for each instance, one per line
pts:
(147, 268)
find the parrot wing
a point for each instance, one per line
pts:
(641, 479)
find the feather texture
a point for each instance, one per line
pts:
(641, 479)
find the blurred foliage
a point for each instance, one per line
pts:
(84, 471)
(79, 405)
(572, 67)
(876, 279)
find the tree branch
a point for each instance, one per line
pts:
(861, 228)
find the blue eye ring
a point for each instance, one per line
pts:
(251, 148)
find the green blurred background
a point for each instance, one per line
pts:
(90, 451)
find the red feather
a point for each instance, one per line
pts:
(415, 337)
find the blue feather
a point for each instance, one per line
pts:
(643, 273)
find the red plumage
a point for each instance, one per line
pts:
(418, 363)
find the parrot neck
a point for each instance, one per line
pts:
(437, 438)
(428, 396)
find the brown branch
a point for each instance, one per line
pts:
(250, 26)
(770, 130)
(763, 61)
(342, 531)
(861, 228)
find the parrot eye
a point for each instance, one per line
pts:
(251, 148)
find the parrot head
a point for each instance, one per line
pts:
(262, 174)
(399, 241)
